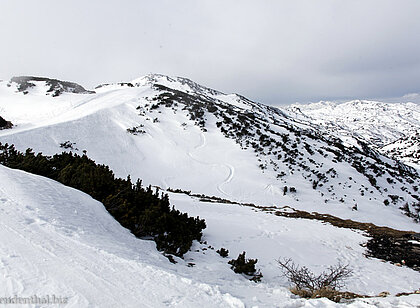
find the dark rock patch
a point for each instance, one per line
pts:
(56, 87)
(5, 124)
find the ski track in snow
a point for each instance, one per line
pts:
(231, 169)
(227, 180)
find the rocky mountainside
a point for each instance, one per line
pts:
(378, 124)
(52, 87)
(406, 148)
(175, 133)
(5, 124)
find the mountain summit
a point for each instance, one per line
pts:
(52, 87)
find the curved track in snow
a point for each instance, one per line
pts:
(227, 180)
(231, 169)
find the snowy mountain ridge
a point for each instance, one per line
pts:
(52, 87)
(377, 123)
(158, 128)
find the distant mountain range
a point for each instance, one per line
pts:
(390, 128)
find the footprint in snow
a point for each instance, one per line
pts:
(29, 221)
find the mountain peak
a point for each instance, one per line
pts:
(54, 87)
(174, 82)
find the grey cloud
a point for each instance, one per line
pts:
(271, 51)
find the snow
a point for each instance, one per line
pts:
(59, 241)
(406, 148)
(74, 248)
(176, 156)
(35, 107)
(233, 100)
(56, 240)
(377, 123)
(177, 83)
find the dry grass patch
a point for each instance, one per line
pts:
(331, 294)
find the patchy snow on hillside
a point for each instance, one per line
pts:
(406, 149)
(143, 132)
(377, 123)
(173, 133)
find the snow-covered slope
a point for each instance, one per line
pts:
(172, 132)
(57, 241)
(376, 123)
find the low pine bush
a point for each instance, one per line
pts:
(246, 266)
(146, 213)
(223, 252)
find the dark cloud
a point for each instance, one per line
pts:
(271, 51)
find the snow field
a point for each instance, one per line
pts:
(57, 240)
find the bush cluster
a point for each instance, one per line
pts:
(223, 252)
(141, 210)
(309, 285)
(241, 265)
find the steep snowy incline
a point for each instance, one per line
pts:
(36, 109)
(59, 241)
(174, 133)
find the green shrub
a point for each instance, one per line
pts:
(246, 267)
(223, 252)
(141, 210)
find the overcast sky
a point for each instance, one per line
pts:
(273, 52)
